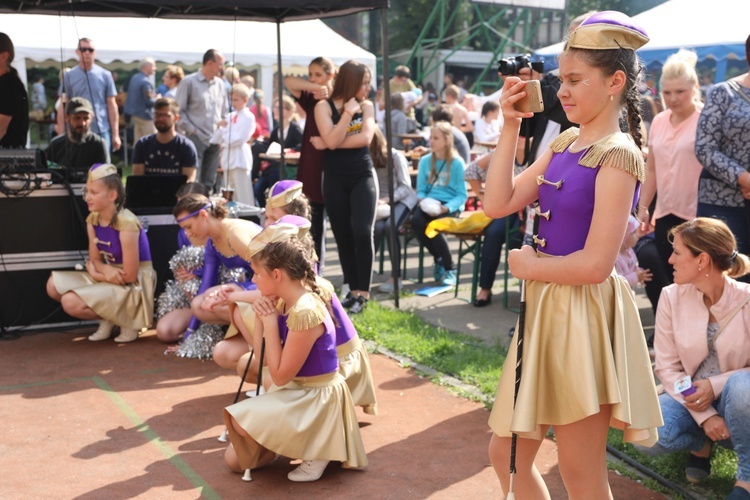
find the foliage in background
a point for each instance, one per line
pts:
(406, 19)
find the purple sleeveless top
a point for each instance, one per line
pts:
(110, 248)
(345, 330)
(323, 357)
(565, 213)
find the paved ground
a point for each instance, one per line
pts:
(100, 420)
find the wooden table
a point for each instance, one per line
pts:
(490, 145)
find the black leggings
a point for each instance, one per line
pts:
(647, 252)
(437, 246)
(350, 203)
(661, 238)
(318, 232)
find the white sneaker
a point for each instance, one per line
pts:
(103, 332)
(309, 471)
(387, 287)
(126, 335)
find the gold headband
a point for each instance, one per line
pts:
(272, 234)
(285, 197)
(101, 170)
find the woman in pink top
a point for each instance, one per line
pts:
(672, 168)
(702, 341)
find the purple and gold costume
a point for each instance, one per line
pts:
(213, 259)
(312, 417)
(584, 344)
(129, 306)
(354, 363)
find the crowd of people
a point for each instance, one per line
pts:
(612, 202)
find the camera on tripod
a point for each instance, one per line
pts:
(513, 65)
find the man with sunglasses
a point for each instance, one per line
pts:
(94, 83)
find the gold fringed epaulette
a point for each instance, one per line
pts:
(308, 312)
(326, 289)
(617, 151)
(93, 218)
(564, 140)
(127, 221)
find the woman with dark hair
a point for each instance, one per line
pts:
(307, 93)
(346, 122)
(722, 145)
(14, 101)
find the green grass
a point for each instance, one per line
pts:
(480, 365)
(455, 354)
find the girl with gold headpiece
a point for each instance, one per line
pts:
(585, 364)
(118, 284)
(308, 413)
(201, 218)
(287, 204)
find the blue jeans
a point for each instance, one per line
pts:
(494, 239)
(267, 179)
(680, 432)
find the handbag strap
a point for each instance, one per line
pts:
(729, 319)
(736, 87)
(437, 177)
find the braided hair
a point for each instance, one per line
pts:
(611, 60)
(293, 257)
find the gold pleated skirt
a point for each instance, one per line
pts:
(129, 306)
(354, 366)
(310, 418)
(583, 347)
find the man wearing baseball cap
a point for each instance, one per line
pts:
(79, 148)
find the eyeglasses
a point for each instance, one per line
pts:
(86, 49)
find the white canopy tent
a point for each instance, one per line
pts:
(40, 38)
(715, 30)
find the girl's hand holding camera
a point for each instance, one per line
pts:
(513, 91)
(522, 261)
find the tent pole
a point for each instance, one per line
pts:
(279, 94)
(387, 95)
